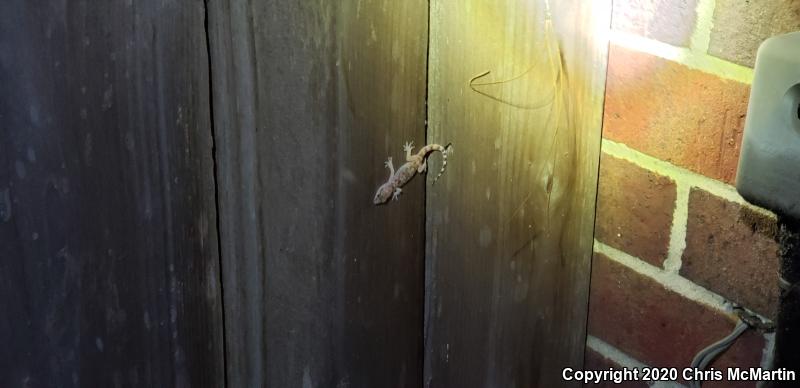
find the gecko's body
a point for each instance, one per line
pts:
(415, 163)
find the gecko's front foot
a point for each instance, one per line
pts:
(396, 195)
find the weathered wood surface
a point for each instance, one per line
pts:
(321, 288)
(108, 245)
(510, 223)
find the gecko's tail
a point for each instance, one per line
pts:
(448, 149)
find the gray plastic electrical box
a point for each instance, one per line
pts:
(769, 165)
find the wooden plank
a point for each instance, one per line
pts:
(108, 244)
(511, 222)
(321, 287)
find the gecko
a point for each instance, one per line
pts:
(416, 163)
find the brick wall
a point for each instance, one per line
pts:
(676, 246)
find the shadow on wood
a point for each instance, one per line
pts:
(108, 242)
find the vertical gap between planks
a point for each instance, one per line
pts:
(215, 166)
(597, 186)
(424, 239)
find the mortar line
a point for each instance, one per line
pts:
(679, 174)
(610, 352)
(700, 40)
(687, 57)
(671, 281)
(681, 286)
(768, 352)
(626, 361)
(677, 236)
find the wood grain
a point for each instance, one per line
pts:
(108, 244)
(510, 224)
(321, 287)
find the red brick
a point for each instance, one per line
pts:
(731, 250)
(596, 361)
(668, 21)
(634, 209)
(664, 109)
(657, 326)
(741, 26)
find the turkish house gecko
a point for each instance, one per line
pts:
(417, 163)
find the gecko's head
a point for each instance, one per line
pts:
(383, 194)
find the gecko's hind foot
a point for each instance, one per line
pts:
(388, 163)
(423, 167)
(408, 146)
